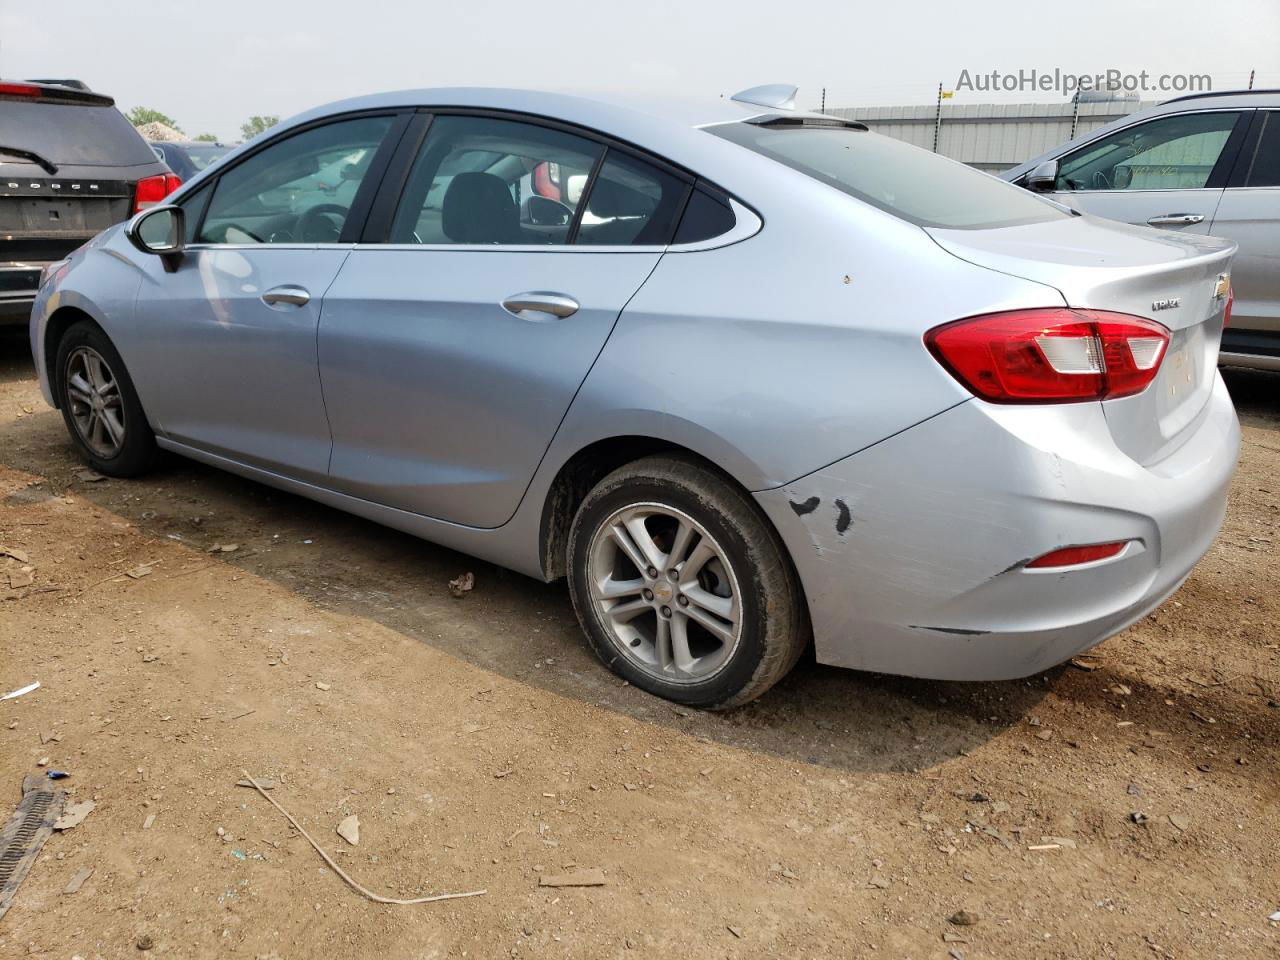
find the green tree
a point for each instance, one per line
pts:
(207, 138)
(140, 115)
(256, 125)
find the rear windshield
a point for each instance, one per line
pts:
(201, 157)
(908, 182)
(71, 134)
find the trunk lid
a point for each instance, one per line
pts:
(1103, 265)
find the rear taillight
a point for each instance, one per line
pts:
(1051, 355)
(18, 90)
(151, 190)
(1226, 314)
(1074, 556)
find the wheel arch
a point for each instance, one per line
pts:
(591, 464)
(56, 327)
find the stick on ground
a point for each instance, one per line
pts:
(342, 873)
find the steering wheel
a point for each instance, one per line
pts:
(314, 225)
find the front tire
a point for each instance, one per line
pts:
(681, 585)
(100, 405)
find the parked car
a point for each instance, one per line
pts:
(1200, 164)
(70, 166)
(792, 380)
(186, 158)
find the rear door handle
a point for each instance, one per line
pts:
(1175, 219)
(537, 305)
(297, 296)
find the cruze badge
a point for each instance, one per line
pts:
(1168, 304)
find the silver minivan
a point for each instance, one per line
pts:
(1204, 163)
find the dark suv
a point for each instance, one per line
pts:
(71, 165)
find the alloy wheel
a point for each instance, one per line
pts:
(97, 408)
(666, 592)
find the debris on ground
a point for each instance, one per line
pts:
(349, 830)
(22, 577)
(19, 555)
(577, 878)
(363, 891)
(24, 835)
(21, 691)
(224, 548)
(56, 774)
(77, 881)
(321, 685)
(89, 476)
(460, 586)
(138, 572)
(74, 815)
(266, 783)
(963, 918)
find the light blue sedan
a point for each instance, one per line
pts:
(751, 378)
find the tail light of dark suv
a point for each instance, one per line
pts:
(151, 190)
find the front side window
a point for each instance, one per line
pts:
(484, 180)
(297, 190)
(1169, 153)
(912, 184)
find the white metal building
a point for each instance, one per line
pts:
(991, 136)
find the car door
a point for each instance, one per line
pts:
(1165, 172)
(1249, 214)
(450, 353)
(227, 341)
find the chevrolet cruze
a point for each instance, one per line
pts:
(750, 378)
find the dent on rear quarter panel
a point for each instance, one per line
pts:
(793, 349)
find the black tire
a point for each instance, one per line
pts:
(137, 451)
(774, 629)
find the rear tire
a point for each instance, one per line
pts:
(681, 585)
(100, 405)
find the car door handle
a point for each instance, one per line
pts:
(536, 305)
(298, 296)
(1175, 219)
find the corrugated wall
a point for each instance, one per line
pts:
(990, 136)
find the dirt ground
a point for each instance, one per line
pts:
(482, 747)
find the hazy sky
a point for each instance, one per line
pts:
(211, 64)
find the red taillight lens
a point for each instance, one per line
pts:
(1231, 299)
(18, 90)
(1074, 556)
(151, 190)
(1051, 355)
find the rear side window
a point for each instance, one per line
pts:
(486, 180)
(706, 216)
(631, 203)
(1265, 169)
(908, 182)
(71, 134)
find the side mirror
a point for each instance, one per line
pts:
(160, 231)
(1043, 177)
(545, 212)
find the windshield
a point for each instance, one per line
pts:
(72, 133)
(908, 182)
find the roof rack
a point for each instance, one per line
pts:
(1217, 93)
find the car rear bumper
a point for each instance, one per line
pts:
(913, 552)
(18, 285)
